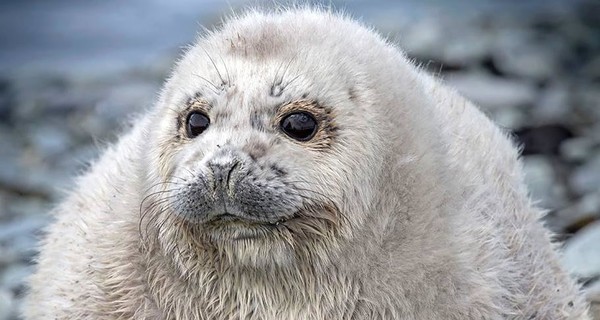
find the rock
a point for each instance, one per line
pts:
(6, 101)
(12, 231)
(13, 278)
(589, 204)
(126, 98)
(423, 38)
(6, 304)
(554, 104)
(576, 216)
(541, 180)
(49, 140)
(577, 149)
(22, 206)
(78, 159)
(7, 256)
(581, 254)
(592, 69)
(593, 295)
(586, 178)
(589, 103)
(594, 289)
(520, 53)
(509, 118)
(544, 139)
(467, 48)
(11, 145)
(492, 92)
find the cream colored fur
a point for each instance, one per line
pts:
(435, 221)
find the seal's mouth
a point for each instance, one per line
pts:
(308, 222)
(235, 219)
(238, 227)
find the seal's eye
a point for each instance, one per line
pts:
(197, 122)
(300, 126)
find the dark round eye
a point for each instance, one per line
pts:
(301, 126)
(196, 123)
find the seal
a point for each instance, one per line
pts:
(298, 166)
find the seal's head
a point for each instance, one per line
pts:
(270, 140)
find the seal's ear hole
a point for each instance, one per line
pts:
(300, 126)
(196, 123)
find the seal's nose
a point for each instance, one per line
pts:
(223, 167)
(222, 172)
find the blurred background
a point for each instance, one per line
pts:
(72, 73)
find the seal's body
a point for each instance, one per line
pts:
(296, 166)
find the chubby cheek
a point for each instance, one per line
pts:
(350, 174)
(317, 179)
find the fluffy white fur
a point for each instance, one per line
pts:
(434, 219)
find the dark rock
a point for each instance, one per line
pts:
(6, 101)
(544, 139)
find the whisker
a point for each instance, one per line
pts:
(214, 65)
(277, 79)
(287, 67)
(152, 205)
(156, 193)
(294, 79)
(215, 90)
(226, 70)
(159, 183)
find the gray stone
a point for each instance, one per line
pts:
(592, 132)
(541, 180)
(124, 98)
(423, 38)
(7, 304)
(592, 68)
(594, 288)
(581, 254)
(581, 212)
(590, 204)
(49, 140)
(9, 232)
(577, 149)
(586, 178)
(511, 118)
(13, 278)
(493, 92)
(78, 159)
(7, 256)
(553, 106)
(518, 53)
(467, 48)
(22, 207)
(11, 146)
(589, 102)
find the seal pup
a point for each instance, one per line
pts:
(298, 166)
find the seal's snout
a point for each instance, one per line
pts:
(230, 184)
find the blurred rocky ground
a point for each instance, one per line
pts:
(537, 73)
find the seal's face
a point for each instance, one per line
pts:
(236, 178)
(261, 154)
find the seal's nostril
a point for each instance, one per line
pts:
(233, 167)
